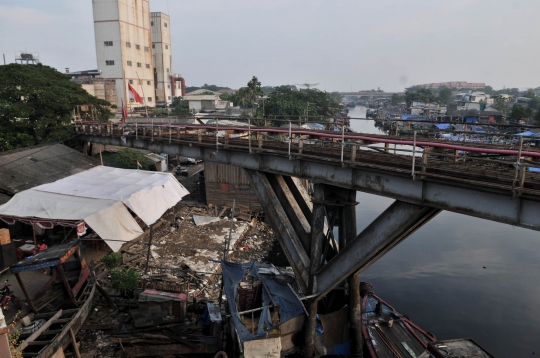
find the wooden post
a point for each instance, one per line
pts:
(62, 275)
(353, 153)
(75, 344)
(34, 233)
(26, 295)
(387, 147)
(100, 157)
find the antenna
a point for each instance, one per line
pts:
(307, 85)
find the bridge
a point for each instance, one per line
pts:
(424, 176)
(370, 94)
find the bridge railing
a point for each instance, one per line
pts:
(500, 167)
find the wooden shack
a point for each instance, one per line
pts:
(224, 182)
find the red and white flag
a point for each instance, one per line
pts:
(136, 96)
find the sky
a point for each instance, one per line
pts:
(341, 45)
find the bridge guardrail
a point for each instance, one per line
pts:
(495, 166)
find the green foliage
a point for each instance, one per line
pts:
(423, 94)
(445, 95)
(112, 260)
(537, 117)
(286, 103)
(499, 103)
(534, 103)
(397, 99)
(519, 112)
(36, 105)
(15, 343)
(125, 280)
(529, 94)
(205, 86)
(179, 107)
(129, 158)
(247, 96)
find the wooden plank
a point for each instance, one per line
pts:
(40, 330)
(74, 343)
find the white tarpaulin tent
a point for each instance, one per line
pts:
(97, 196)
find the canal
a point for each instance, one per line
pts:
(461, 277)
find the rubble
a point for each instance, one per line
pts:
(184, 258)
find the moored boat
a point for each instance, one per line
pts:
(387, 334)
(56, 319)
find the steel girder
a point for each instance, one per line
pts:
(495, 205)
(395, 224)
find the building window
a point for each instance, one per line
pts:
(153, 45)
(146, 48)
(138, 47)
(167, 70)
(166, 47)
(128, 44)
(165, 24)
(130, 82)
(108, 43)
(150, 99)
(109, 63)
(151, 23)
(129, 63)
(147, 65)
(148, 83)
(168, 86)
(169, 97)
(157, 98)
(138, 64)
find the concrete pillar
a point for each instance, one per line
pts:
(348, 229)
(317, 240)
(4, 340)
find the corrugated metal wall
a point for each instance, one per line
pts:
(224, 173)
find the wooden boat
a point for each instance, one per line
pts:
(54, 329)
(388, 334)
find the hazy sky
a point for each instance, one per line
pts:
(340, 44)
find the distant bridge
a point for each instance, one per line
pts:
(424, 176)
(370, 94)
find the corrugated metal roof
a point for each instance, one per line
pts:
(200, 98)
(25, 168)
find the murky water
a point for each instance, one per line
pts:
(460, 276)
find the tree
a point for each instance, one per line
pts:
(488, 90)
(445, 94)
(286, 103)
(129, 157)
(519, 113)
(499, 103)
(423, 94)
(534, 103)
(179, 107)
(37, 103)
(397, 99)
(537, 117)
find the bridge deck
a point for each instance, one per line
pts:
(485, 167)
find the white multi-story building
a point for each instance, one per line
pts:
(124, 47)
(162, 55)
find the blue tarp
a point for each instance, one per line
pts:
(288, 304)
(471, 119)
(443, 126)
(534, 169)
(528, 133)
(409, 116)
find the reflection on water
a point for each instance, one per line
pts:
(460, 276)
